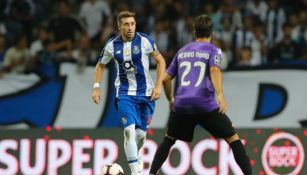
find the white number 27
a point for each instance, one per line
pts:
(187, 65)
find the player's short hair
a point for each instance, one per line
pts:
(124, 14)
(203, 26)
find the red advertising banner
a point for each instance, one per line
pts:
(86, 151)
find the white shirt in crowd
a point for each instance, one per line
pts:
(93, 13)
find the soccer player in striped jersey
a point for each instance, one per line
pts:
(135, 90)
(198, 68)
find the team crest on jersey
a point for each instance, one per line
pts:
(136, 50)
(129, 67)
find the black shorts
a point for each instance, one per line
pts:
(182, 127)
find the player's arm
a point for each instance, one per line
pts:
(160, 73)
(167, 86)
(99, 70)
(171, 72)
(216, 77)
(105, 57)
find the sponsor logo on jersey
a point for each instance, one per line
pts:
(129, 67)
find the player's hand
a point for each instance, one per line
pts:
(156, 92)
(96, 95)
(222, 104)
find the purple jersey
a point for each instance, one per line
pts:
(191, 65)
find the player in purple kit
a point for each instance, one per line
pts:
(198, 71)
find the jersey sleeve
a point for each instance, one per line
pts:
(215, 59)
(172, 70)
(105, 55)
(151, 47)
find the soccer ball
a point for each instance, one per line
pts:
(112, 169)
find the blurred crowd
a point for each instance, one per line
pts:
(35, 33)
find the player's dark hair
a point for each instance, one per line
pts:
(124, 14)
(203, 26)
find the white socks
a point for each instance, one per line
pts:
(134, 140)
(130, 147)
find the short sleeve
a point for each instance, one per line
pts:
(154, 50)
(105, 55)
(150, 46)
(215, 59)
(173, 67)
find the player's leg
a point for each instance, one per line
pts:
(130, 147)
(220, 126)
(240, 154)
(161, 154)
(179, 127)
(146, 108)
(128, 112)
(140, 140)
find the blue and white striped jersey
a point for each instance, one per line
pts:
(132, 62)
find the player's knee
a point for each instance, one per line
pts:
(141, 137)
(140, 134)
(232, 138)
(170, 139)
(128, 133)
(141, 142)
